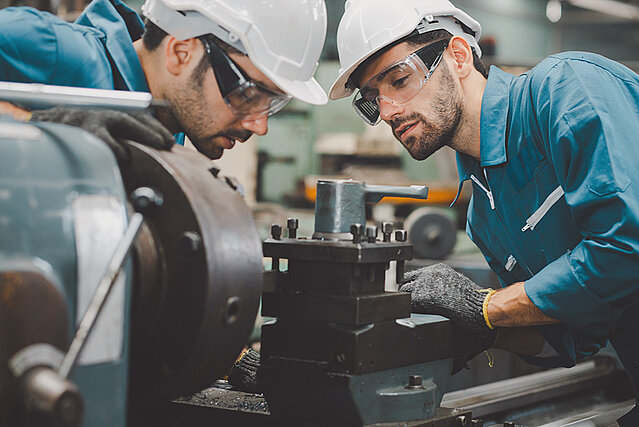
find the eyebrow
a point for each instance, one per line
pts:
(378, 77)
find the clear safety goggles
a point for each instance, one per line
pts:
(399, 82)
(245, 97)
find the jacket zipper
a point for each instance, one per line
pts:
(489, 193)
(486, 190)
(550, 201)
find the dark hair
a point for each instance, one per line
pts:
(415, 40)
(437, 35)
(154, 35)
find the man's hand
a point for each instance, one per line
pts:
(112, 127)
(438, 289)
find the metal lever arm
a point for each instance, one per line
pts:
(375, 193)
(101, 294)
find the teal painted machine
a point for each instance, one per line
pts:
(62, 211)
(91, 336)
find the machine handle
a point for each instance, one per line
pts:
(375, 193)
(36, 95)
(101, 294)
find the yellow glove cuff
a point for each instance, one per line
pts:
(485, 307)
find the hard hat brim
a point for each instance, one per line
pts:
(308, 91)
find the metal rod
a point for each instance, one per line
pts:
(101, 294)
(35, 95)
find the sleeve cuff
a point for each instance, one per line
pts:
(558, 292)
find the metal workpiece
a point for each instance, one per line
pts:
(36, 95)
(203, 251)
(340, 204)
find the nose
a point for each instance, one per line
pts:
(388, 109)
(258, 126)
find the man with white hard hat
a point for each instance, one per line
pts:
(551, 155)
(222, 66)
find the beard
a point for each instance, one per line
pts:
(441, 128)
(187, 113)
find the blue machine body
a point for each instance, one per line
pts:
(52, 177)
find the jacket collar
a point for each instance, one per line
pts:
(122, 26)
(493, 124)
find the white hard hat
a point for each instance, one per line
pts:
(283, 38)
(370, 25)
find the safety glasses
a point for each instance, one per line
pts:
(399, 82)
(246, 98)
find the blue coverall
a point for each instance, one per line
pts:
(96, 51)
(556, 200)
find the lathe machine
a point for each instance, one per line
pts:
(126, 290)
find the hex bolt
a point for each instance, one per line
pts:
(144, 198)
(292, 224)
(189, 242)
(462, 420)
(276, 231)
(371, 233)
(414, 382)
(357, 230)
(387, 230)
(401, 235)
(477, 423)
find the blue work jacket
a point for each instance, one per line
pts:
(556, 199)
(96, 51)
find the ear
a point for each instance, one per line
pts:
(462, 55)
(181, 55)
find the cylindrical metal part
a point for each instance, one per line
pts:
(401, 235)
(292, 224)
(49, 399)
(387, 230)
(357, 230)
(371, 233)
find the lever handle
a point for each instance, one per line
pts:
(340, 204)
(375, 193)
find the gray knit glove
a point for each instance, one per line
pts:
(243, 375)
(112, 127)
(438, 289)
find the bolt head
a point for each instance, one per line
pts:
(387, 227)
(401, 235)
(276, 231)
(415, 380)
(189, 242)
(292, 223)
